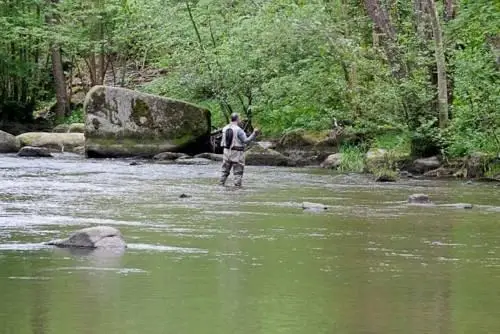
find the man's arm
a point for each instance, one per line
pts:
(243, 137)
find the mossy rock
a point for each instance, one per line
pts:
(8, 143)
(121, 122)
(259, 156)
(54, 141)
(61, 128)
(76, 128)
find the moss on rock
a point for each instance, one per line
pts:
(121, 122)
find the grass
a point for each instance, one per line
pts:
(399, 143)
(352, 159)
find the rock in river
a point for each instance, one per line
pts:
(333, 161)
(314, 207)
(123, 123)
(419, 199)
(424, 165)
(259, 156)
(56, 141)
(92, 237)
(29, 151)
(8, 143)
(193, 161)
(169, 156)
(210, 156)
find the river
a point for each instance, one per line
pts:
(247, 261)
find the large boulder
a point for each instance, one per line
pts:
(8, 143)
(259, 156)
(92, 237)
(55, 141)
(121, 123)
(38, 152)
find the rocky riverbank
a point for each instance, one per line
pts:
(299, 152)
(124, 123)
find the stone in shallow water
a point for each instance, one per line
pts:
(210, 156)
(40, 152)
(459, 205)
(92, 237)
(169, 156)
(314, 206)
(193, 161)
(419, 199)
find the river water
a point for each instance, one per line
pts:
(246, 261)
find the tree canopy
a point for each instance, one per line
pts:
(426, 69)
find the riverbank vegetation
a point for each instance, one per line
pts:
(420, 76)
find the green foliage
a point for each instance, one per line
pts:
(399, 142)
(76, 116)
(476, 122)
(284, 64)
(352, 159)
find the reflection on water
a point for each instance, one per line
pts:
(248, 261)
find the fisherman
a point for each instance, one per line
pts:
(233, 141)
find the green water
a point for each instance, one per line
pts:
(248, 261)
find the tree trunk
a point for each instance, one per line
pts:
(440, 64)
(384, 33)
(449, 10)
(60, 83)
(62, 106)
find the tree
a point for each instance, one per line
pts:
(440, 63)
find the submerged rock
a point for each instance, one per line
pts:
(459, 205)
(419, 199)
(92, 237)
(56, 141)
(123, 123)
(193, 161)
(29, 151)
(314, 206)
(8, 143)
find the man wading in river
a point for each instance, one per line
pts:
(234, 140)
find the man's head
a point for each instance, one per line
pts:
(235, 117)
